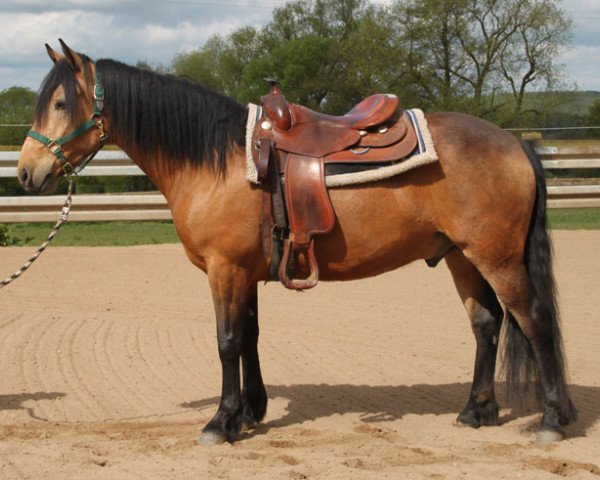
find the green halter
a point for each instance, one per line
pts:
(55, 144)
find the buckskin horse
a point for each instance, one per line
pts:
(481, 207)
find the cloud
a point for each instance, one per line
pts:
(579, 68)
(100, 34)
(586, 16)
(156, 30)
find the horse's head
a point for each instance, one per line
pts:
(67, 128)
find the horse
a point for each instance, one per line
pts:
(481, 208)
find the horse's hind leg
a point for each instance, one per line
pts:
(485, 314)
(531, 315)
(254, 395)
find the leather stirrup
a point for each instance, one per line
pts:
(299, 283)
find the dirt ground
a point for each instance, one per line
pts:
(110, 368)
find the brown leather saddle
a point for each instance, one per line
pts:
(292, 146)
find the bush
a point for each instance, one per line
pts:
(10, 187)
(13, 135)
(5, 235)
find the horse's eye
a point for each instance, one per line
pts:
(60, 105)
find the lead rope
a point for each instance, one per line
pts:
(62, 219)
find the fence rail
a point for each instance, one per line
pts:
(562, 193)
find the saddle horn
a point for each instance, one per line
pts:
(276, 106)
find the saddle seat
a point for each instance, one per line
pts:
(369, 113)
(297, 129)
(292, 145)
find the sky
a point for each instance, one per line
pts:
(155, 30)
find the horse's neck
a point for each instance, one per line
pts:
(179, 178)
(152, 165)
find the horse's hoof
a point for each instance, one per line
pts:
(475, 417)
(545, 437)
(249, 423)
(211, 438)
(248, 420)
(467, 420)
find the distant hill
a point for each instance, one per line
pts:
(571, 103)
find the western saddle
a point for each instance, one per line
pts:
(292, 146)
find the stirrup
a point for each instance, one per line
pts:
(298, 283)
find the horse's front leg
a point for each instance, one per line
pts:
(254, 394)
(231, 289)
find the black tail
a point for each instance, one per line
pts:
(518, 361)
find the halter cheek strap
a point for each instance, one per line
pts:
(95, 121)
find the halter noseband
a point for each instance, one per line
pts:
(95, 121)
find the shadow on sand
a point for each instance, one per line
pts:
(15, 401)
(387, 403)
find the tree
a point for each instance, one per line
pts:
(16, 108)
(475, 56)
(301, 66)
(322, 18)
(203, 65)
(221, 62)
(329, 54)
(593, 120)
(326, 54)
(466, 53)
(16, 105)
(371, 61)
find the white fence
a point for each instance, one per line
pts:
(93, 207)
(563, 193)
(572, 192)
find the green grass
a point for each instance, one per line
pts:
(574, 218)
(95, 233)
(144, 233)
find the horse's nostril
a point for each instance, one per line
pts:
(24, 175)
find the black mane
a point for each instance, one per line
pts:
(154, 112)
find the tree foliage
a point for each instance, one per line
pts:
(221, 62)
(16, 108)
(16, 105)
(468, 54)
(593, 120)
(476, 56)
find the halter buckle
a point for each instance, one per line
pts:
(68, 169)
(98, 91)
(99, 123)
(98, 97)
(55, 148)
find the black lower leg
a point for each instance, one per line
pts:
(482, 408)
(254, 394)
(230, 297)
(227, 422)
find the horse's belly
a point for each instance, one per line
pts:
(377, 229)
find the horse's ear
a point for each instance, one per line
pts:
(73, 58)
(54, 56)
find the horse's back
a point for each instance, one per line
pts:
(479, 193)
